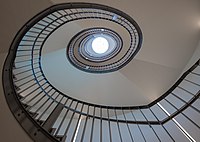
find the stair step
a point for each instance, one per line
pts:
(26, 106)
(40, 122)
(14, 77)
(19, 96)
(52, 131)
(17, 88)
(33, 114)
(59, 137)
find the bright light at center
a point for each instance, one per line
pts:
(100, 45)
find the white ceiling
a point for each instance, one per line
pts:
(171, 32)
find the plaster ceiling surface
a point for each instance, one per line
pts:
(14, 15)
(171, 33)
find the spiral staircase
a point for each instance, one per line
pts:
(48, 114)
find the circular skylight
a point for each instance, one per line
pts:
(111, 42)
(100, 45)
(95, 45)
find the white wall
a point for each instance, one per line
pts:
(13, 15)
(195, 57)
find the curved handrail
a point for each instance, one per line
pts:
(15, 72)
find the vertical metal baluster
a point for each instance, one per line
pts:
(34, 96)
(30, 86)
(183, 114)
(48, 105)
(58, 18)
(84, 12)
(24, 97)
(53, 20)
(69, 124)
(91, 136)
(73, 13)
(38, 102)
(53, 116)
(68, 14)
(21, 61)
(110, 133)
(36, 32)
(41, 29)
(127, 126)
(84, 127)
(28, 81)
(149, 124)
(44, 26)
(191, 94)
(77, 13)
(176, 123)
(81, 12)
(62, 16)
(161, 124)
(61, 123)
(138, 125)
(195, 73)
(118, 125)
(186, 102)
(76, 127)
(20, 85)
(49, 23)
(25, 71)
(192, 82)
(26, 65)
(26, 55)
(25, 77)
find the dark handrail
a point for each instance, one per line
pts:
(39, 119)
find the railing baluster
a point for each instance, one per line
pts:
(25, 66)
(60, 125)
(128, 126)
(27, 81)
(186, 102)
(31, 86)
(150, 125)
(186, 90)
(26, 71)
(52, 101)
(59, 18)
(52, 117)
(91, 135)
(76, 127)
(69, 124)
(27, 60)
(110, 132)
(161, 124)
(195, 73)
(36, 111)
(31, 75)
(138, 126)
(84, 127)
(183, 114)
(35, 96)
(118, 126)
(100, 124)
(192, 82)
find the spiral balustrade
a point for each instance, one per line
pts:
(47, 114)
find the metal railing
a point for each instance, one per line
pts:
(49, 115)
